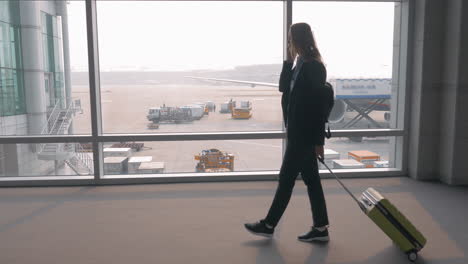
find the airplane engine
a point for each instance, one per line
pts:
(338, 112)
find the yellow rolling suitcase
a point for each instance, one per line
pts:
(392, 222)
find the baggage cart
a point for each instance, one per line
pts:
(330, 156)
(151, 167)
(347, 164)
(115, 165)
(135, 162)
(364, 156)
(117, 152)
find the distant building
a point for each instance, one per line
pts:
(35, 86)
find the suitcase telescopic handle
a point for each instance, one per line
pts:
(363, 208)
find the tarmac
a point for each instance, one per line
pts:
(124, 110)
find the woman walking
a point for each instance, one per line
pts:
(304, 119)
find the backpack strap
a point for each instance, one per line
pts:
(328, 133)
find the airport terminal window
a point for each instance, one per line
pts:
(207, 156)
(9, 11)
(370, 152)
(221, 156)
(11, 76)
(358, 53)
(4, 14)
(49, 159)
(58, 99)
(10, 91)
(148, 79)
(2, 161)
(53, 59)
(206, 68)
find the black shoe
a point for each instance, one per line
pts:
(259, 229)
(314, 235)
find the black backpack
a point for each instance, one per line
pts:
(328, 102)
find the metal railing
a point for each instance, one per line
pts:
(53, 114)
(57, 123)
(80, 162)
(84, 158)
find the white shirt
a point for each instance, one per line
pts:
(297, 69)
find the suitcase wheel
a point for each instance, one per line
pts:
(413, 256)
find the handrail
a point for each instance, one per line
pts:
(52, 113)
(46, 126)
(83, 157)
(56, 116)
(66, 117)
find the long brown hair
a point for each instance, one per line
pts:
(303, 42)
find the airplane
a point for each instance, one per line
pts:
(361, 95)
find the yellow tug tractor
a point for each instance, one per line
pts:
(241, 111)
(213, 160)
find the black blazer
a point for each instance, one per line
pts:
(302, 111)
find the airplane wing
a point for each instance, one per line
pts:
(344, 88)
(375, 92)
(253, 84)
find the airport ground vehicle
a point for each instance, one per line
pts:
(226, 107)
(364, 156)
(241, 111)
(133, 145)
(211, 106)
(356, 94)
(153, 125)
(168, 114)
(205, 107)
(213, 160)
(198, 111)
(360, 95)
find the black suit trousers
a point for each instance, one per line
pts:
(299, 159)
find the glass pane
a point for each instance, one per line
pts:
(2, 161)
(147, 63)
(360, 152)
(52, 98)
(358, 54)
(5, 42)
(4, 11)
(192, 156)
(9, 11)
(13, 36)
(19, 92)
(51, 159)
(44, 22)
(9, 98)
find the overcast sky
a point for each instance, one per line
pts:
(356, 39)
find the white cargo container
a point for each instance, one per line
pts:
(203, 105)
(381, 164)
(347, 164)
(151, 167)
(211, 106)
(197, 111)
(154, 114)
(200, 104)
(330, 155)
(115, 165)
(135, 162)
(117, 152)
(245, 104)
(225, 108)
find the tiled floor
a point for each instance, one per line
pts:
(202, 223)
